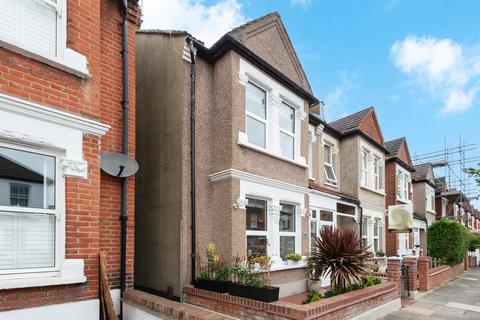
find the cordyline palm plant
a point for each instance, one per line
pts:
(340, 254)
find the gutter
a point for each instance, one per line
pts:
(125, 103)
(193, 51)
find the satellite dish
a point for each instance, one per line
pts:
(118, 164)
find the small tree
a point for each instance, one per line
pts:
(340, 254)
(473, 241)
(474, 172)
(447, 240)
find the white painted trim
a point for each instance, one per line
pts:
(81, 310)
(71, 271)
(237, 174)
(380, 311)
(34, 110)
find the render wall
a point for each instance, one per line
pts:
(349, 165)
(419, 203)
(162, 82)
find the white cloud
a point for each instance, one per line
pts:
(303, 3)
(441, 68)
(205, 22)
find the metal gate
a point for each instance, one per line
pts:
(405, 284)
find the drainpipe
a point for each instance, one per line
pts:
(124, 212)
(193, 51)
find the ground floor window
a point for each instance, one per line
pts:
(319, 219)
(29, 208)
(416, 237)
(365, 231)
(256, 214)
(376, 235)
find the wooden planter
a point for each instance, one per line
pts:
(266, 294)
(212, 285)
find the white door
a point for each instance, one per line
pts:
(319, 219)
(403, 244)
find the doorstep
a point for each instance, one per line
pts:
(162, 308)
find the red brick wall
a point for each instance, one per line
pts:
(432, 278)
(391, 239)
(370, 126)
(93, 204)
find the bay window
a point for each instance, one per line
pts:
(256, 115)
(365, 231)
(287, 130)
(328, 164)
(287, 229)
(376, 235)
(256, 213)
(30, 209)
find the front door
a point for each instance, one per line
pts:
(319, 219)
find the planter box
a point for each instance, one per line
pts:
(212, 285)
(267, 294)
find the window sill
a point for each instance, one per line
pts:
(71, 272)
(39, 282)
(73, 62)
(331, 185)
(379, 192)
(268, 153)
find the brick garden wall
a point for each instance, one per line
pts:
(432, 278)
(93, 204)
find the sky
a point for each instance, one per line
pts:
(416, 62)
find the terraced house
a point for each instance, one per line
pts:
(60, 108)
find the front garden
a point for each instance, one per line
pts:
(338, 255)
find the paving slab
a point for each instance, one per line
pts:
(458, 299)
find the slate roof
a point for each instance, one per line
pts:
(351, 122)
(393, 146)
(421, 171)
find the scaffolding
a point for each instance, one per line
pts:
(449, 166)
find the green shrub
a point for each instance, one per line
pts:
(447, 240)
(312, 297)
(473, 241)
(330, 293)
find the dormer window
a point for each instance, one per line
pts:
(328, 164)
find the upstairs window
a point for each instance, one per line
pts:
(402, 186)
(328, 164)
(28, 210)
(287, 130)
(256, 115)
(35, 25)
(376, 173)
(364, 180)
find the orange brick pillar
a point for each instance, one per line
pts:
(465, 262)
(411, 276)
(394, 271)
(423, 273)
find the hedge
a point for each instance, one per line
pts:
(447, 240)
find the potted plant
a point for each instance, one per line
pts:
(314, 283)
(293, 258)
(251, 283)
(380, 254)
(260, 262)
(215, 276)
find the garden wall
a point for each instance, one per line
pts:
(432, 278)
(345, 306)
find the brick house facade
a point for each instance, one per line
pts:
(61, 103)
(398, 186)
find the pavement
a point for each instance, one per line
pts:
(458, 299)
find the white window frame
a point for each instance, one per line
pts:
(376, 227)
(430, 198)
(376, 172)
(311, 140)
(289, 133)
(402, 185)
(58, 212)
(365, 230)
(261, 233)
(254, 116)
(295, 226)
(276, 95)
(416, 237)
(319, 222)
(65, 58)
(365, 168)
(329, 164)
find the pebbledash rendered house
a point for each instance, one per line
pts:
(233, 151)
(61, 75)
